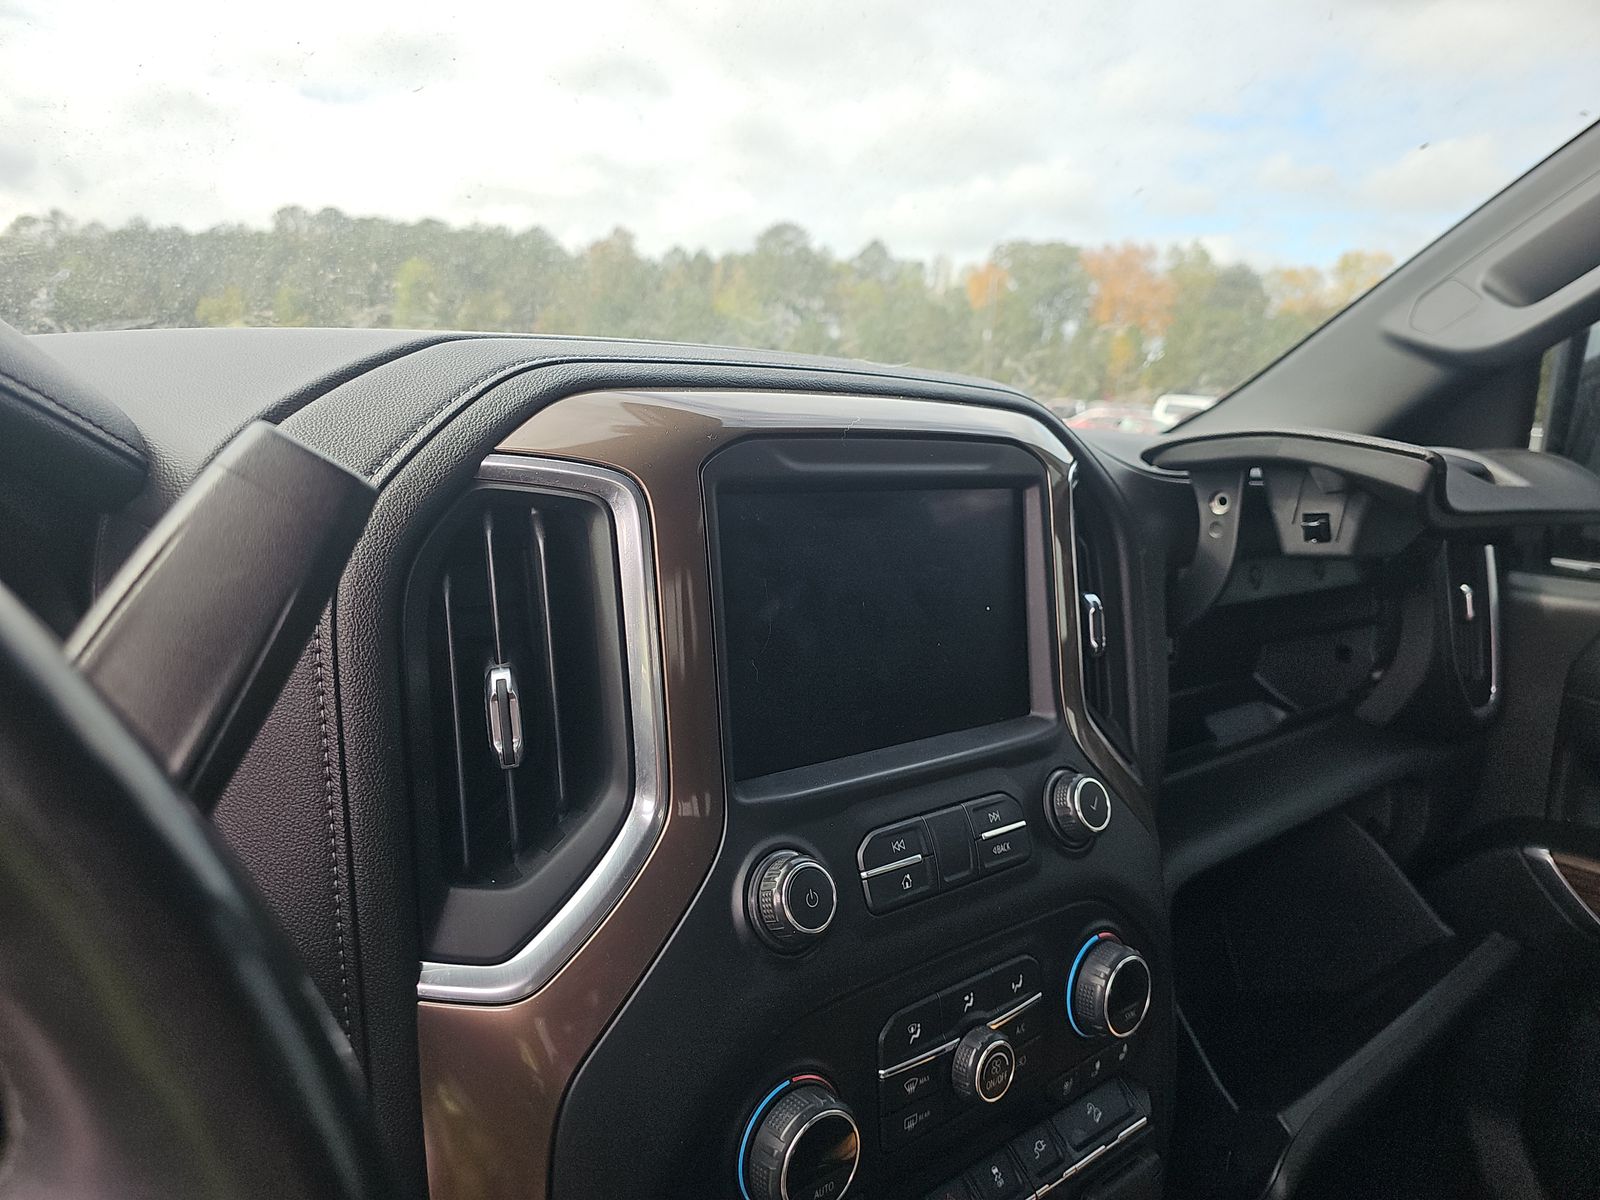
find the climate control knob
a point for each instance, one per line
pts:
(791, 899)
(1079, 807)
(805, 1147)
(1109, 992)
(985, 1065)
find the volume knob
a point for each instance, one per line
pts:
(791, 899)
(1079, 807)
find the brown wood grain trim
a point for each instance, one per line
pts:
(1582, 875)
(493, 1076)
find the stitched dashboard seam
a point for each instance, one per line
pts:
(38, 399)
(330, 809)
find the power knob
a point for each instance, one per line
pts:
(805, 1146)
(791, 899)
(1108, 992)
(1078, 806)
(985, 1064)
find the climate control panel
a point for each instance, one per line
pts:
(966, 1043)
(1055, 1031)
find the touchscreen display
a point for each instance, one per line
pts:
(855, 620)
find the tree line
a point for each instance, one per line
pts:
(1121, 322)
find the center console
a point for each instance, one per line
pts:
(901, 929)
(931, 958)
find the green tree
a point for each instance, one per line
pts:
(781, 294)
(225, 308)
(1055, 319)
(415, 294)
(1219, 332)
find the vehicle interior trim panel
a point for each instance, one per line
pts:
(493, 1075)
(531, 967)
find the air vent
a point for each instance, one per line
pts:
(1100, 617)
(1472, 596)
(519, 704)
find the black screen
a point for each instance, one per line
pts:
(855, 620)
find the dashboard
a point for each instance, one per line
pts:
(758, 777)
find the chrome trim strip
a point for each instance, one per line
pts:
(891, 1072)
(1067, 579)
(1551, 870)
(788, 1151)
(1492, 574)
(1003, 830)
(1149, 992)
(1075, 798)
(998, 1046)
(894, 866)
(780, 894)
(1131, 1130)
(927, 1056)
(1578, 566)
(554, 944)
(1095, 1155)
(1017, 1011)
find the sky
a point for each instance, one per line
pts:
(1275, 132)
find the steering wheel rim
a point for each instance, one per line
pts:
(157, 1035)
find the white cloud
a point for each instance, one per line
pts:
(1035, 200)
(1283, 133)
(1452, 174)
(1285, 173)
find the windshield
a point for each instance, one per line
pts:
(1124, 209)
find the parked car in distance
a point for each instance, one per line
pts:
(1174, 407)
(1122, 417)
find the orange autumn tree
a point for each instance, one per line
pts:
(1298, 291)
(986, 284)
(1355, 273)
(1132, 304)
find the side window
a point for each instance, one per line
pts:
(1567, 418)
(1567, 422)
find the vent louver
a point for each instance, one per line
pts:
(1471, 585)
(1100, 616)
(518, 690)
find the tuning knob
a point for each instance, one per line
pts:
(1109, 992)
(1079, 807)
(806, 1147)
(791, 899)
(985, 1065)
